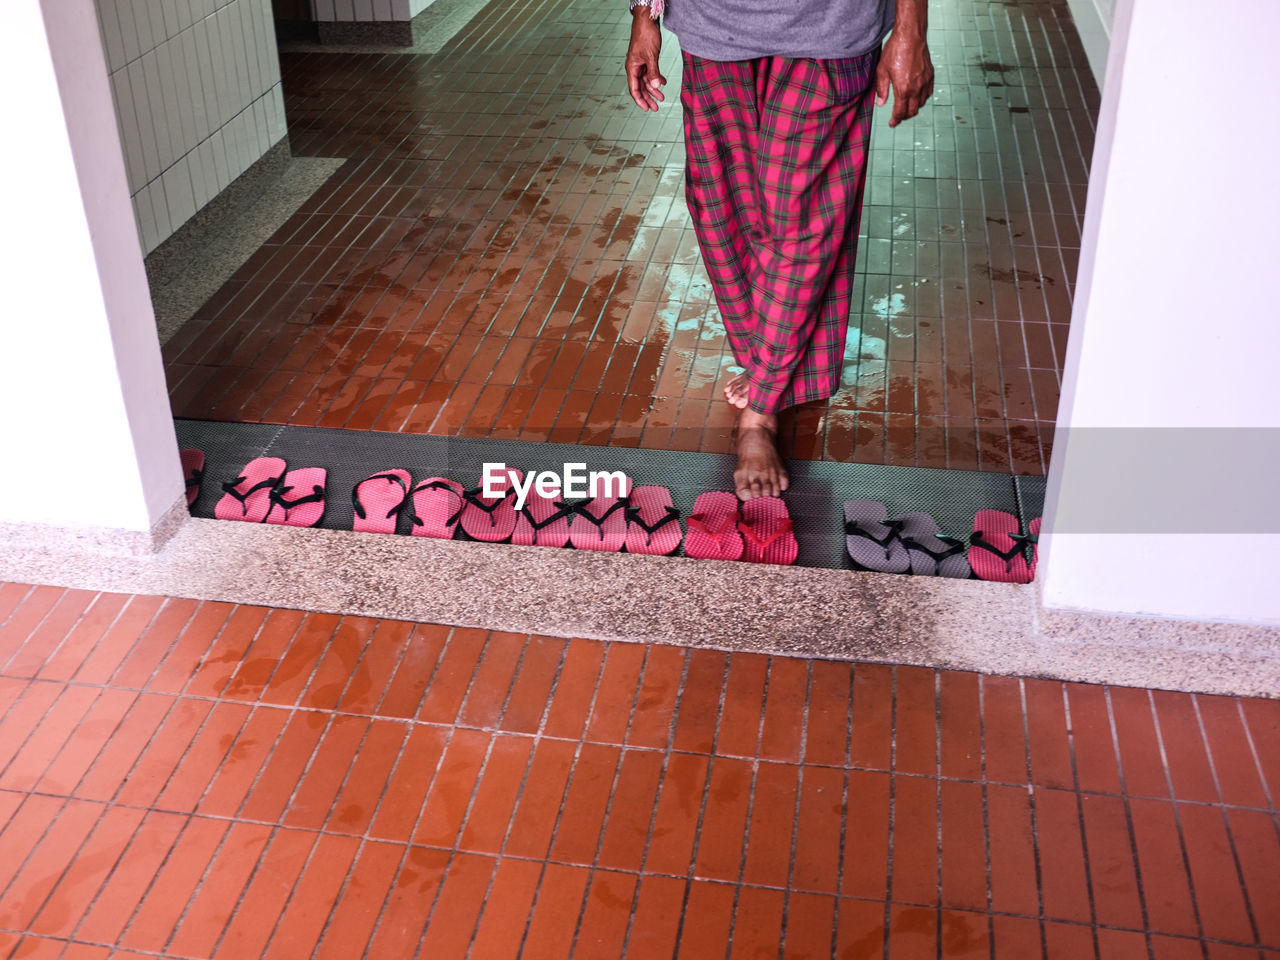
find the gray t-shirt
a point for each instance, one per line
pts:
(746, 29)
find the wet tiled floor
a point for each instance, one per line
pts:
(507, 253)
(196, 779)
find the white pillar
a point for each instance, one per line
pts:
(88, 441)
(1167, 430)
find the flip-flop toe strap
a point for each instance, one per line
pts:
(854, 528)
(698, 522)
(462, 504)
(355, 494)
(633, 516)
(278, 497)
(954, 546)
(976, 539)
(195, 478)
(473, 497)
(784, 528)
(230, 488)
(581, 510)
(563, 511)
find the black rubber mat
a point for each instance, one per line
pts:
(815, 499)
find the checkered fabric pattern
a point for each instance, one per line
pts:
(777, 151)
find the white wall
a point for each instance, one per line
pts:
(1093, 19)
(88, 437)
(197, 89)
(1175, 334)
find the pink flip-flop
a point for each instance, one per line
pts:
(299, 500)
(542, 521)
(436, 506)
(192, 472)
(601, 523)
(652, 522)
(378, 501)
(998, 550)
(767, 531)
(713, 527)
(248, 496)
(492, 519)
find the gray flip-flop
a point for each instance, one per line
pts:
(872, 539)
(932, 554)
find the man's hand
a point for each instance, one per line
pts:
(904, 64)
(644, 79)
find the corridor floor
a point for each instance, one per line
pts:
(506, 252)
(196, 779)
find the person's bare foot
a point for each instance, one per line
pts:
(737, 391)
(760, 472)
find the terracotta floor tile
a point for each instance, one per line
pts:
(496, 795)
(49, 730)
(164, 903)
(1064, 941)
(963, 848)
(540, 803)
(555, 912)
(147, 628)
(827, 718)
(819, 822)
(740, 717)
(655, 921)
(1118, 944)
(333, 673)
(705, 931)
(487, 695)
(575, 689)
(1161, 868)
(871, 736)
(452, 676)
(453, 919)
(782, 726)
(1048, 743)
(1224, 914)
(916, 727)
(163, 754)
(1233, 761)
(358, 908)
(131, 875)
(404, 692)
(606, 915)
(530, 692)
(225, 882)
(408, 905)
(699, 707)
(1169, 948)
(616, 693)
(206, 754)
(1004, 739)
(452, 789)
(1184, 749)
(1144, 774)
(865, 867)
(1112, 868)
(1016, 936)
(913, 933)
(249, 930)
(1012, 852)
(1092, 742)
(722, 841)
(290, 755)
(960, 726)
(626, 831)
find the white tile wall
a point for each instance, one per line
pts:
(197, 93)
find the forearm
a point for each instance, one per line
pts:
(912, 18)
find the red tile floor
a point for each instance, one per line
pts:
(507, 252)
(196, 779)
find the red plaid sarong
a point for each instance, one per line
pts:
(777, 151)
